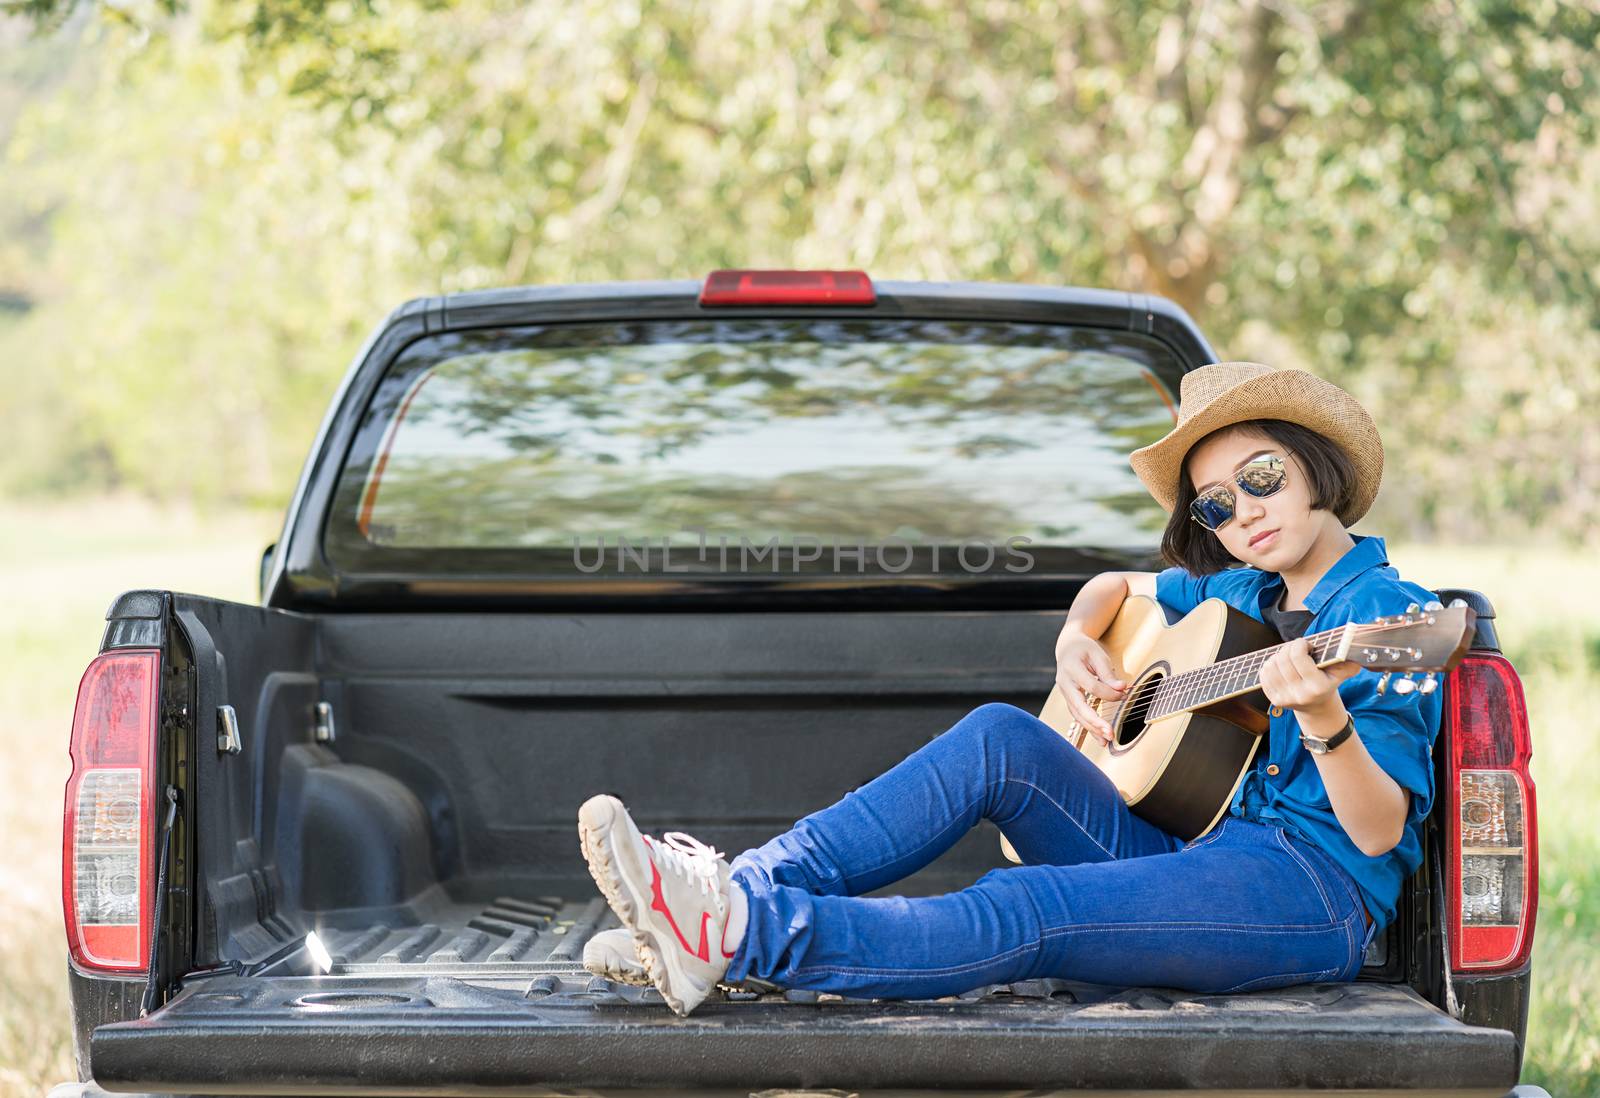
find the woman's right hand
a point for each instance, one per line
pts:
(1082, 667)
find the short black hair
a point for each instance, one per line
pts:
(1328, 468)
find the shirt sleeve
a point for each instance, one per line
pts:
(1181, 589)
(1399, 731)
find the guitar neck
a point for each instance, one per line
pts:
(1240, 675)
(1426, 639)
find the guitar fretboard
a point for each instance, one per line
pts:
(1230, 677)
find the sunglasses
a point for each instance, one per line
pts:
(1261, 476)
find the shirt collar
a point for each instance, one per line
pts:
(1367, 553)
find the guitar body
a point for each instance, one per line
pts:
(1179, 772)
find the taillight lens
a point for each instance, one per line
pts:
(788, 288)
(1493, 837)
(108, 842)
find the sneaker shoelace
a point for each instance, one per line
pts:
(693, 860)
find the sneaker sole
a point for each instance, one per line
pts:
(632, 977)
(607, 964)
(616, 970)
(596, 818)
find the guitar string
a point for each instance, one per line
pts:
(1252, 662)
(1149, 692)
(1249, 663)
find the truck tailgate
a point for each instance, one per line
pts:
(565, 1028)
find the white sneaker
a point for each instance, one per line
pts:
(659, 890)
(610, 954)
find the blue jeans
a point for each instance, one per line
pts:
(1103, 896)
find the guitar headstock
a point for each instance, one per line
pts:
(1429, 638)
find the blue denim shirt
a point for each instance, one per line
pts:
(1397, 729)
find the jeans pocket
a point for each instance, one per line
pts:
(1315, 879)
(1332, 871)
(1332, 883)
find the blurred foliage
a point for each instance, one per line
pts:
(202, 212)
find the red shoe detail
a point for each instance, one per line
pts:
(659, 903)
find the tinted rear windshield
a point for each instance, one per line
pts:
(754, 449)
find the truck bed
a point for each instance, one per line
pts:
(446, 989)
(449, 988)
(430, 841)
(493, 992)
(417, 1031)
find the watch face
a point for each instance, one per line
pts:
(1314, 745)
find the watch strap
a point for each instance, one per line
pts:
(1338, 737)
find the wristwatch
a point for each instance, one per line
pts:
(1319, 746)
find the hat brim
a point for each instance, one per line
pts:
(1292, 395)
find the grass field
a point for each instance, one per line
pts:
(59, 570)
(60, 567)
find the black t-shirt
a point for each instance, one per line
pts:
(1289, 623)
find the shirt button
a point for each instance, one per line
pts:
(1277, 711)
(1272, 769)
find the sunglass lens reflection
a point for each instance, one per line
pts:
(1212, 511)
(1262, 478)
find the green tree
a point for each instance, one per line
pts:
(1365, 190)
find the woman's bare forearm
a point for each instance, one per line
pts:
(1099, 600)
(1370, 805)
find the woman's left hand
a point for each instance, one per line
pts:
(1291, 678)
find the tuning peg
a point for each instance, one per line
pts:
(1405, 685)
(1372, 655)
(1433, 604)
(1457, 603)
(1383, 682)
(1429, 684)
(1412, 608)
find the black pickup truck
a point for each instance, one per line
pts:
(727, 549)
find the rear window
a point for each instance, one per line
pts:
(754, 449)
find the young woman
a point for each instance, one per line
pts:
(1266, 468)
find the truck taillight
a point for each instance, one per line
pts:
(1492, 835)
(108, 842)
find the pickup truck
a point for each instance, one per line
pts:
(727, 549)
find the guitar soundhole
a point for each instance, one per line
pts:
(1130, 724)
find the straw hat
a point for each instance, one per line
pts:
(1230, 392)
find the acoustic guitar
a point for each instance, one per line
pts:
(1194, 715)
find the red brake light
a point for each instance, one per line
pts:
(108, 842)
(1492, 828)
(788, 288)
